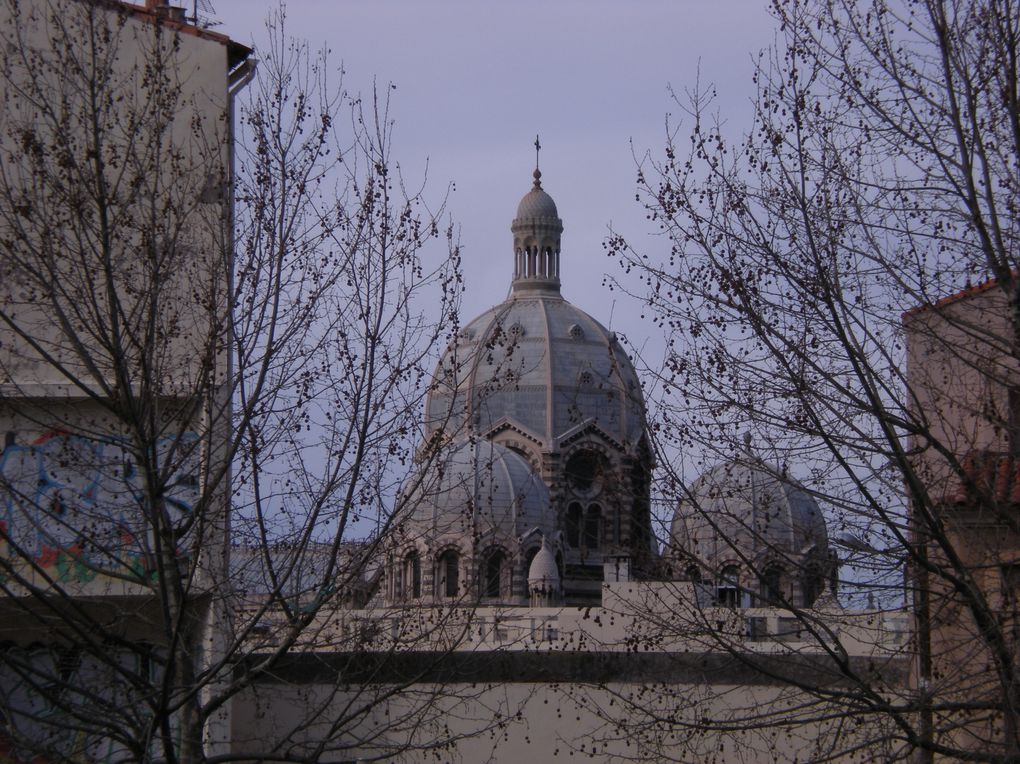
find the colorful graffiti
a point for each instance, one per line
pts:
(77, 506)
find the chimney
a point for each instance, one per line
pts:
(163, 10)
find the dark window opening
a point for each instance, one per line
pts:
(728, 589)
(592, 523)
(583, 470)
(449, 573)
(772, 585)
(574, 526)
(814, 583)
(412, 575)
(494, 574)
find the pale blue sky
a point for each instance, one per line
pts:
(476, 80)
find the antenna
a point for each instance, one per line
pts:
(202, 14)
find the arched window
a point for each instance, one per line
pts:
(694, 574)
(397, 582)
(412, 575)
(448, 574)
(728, 587)
(813, 584)
(592, 527)
(574, 526)
(772, 585)
(492, 583)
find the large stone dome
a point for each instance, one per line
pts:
(543, 366)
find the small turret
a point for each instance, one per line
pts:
(544, 578)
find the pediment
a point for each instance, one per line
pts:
(586, 430)
(506, 424)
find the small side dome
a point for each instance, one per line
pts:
(759, 531)
(478, 493)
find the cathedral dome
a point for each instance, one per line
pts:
(542, 414)
(746, 510)
(542, 366)
(537, 205)
(478, 492)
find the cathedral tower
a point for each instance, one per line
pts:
(549, 386)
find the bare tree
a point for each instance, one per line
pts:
(211, 384)
(802, 293)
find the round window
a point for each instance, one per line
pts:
(584, 472)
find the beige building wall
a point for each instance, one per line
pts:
(961, 370)
(115, 391)
(609, 683)
(143, 241)
(114, 295)
(964, 376)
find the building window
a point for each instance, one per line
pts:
(814, 584)
(772, 585)
(574, 526)
(728, 588)
(448, 578)
(592, 527)
(492, 583)
(412, 575)
(585, 469)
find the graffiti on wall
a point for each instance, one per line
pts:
(78, 506)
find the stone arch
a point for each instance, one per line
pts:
(495, 573)
(447, 577)
(727, 586)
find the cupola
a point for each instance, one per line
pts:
(536, 231)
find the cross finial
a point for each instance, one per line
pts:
(538, 173)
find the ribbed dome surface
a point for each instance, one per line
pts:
(543, 365)
(754, 510)
(536, 204)
(478, 490)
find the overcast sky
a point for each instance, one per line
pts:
(476, 80)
